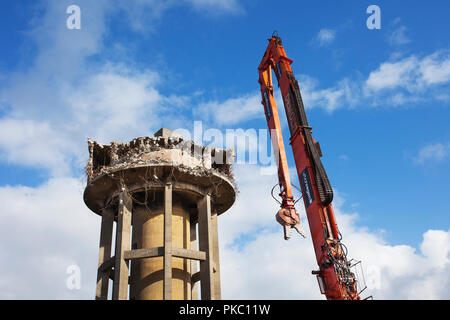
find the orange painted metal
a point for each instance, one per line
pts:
(334, 270)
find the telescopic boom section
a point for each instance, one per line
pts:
(335, 279)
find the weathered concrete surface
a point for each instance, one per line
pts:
(148, 161)
(165, 178)
(161, 150)
(147, 274)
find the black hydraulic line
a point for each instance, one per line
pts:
(301, 197)
(324, 186)
(323, 183)
(271, 193)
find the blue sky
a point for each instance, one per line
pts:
(378, 101)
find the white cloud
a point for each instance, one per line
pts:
(61, 99)
(33, 143)
(51, 229)
(391, 75)
(44, 230)
(406, 81)
(264, 266)
(231, 111)
(248, 107)
(398, 35)
(216, 6)
(432, 153)
(344, 94)
(435, 68)
(52, 107)
(411, 73)
(60, 51)
(325, 36)
(47, 228)
(144, 15)
(116, 103)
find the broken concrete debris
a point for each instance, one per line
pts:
(165, 148)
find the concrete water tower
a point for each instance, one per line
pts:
(163, 194)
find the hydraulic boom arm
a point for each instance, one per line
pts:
(335, 279)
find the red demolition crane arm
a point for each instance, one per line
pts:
(335, 279)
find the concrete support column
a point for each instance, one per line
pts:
(167, 242)
(205, 244)
(194, 263)
(123, 232)
(135, 264)
(106, 231)
(215, 256)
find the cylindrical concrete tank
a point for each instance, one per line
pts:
(157, 191)
(148, 227)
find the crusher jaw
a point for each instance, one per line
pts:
(289, 218)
